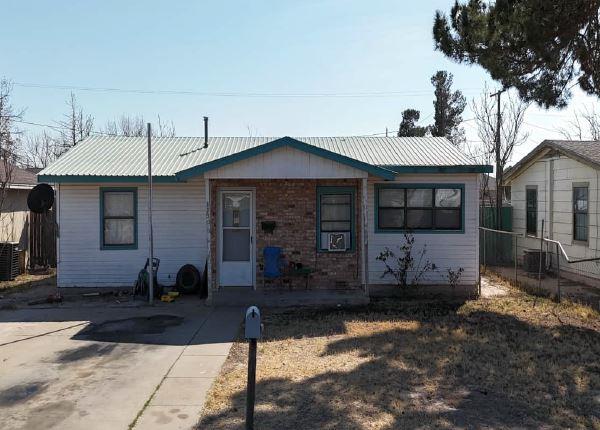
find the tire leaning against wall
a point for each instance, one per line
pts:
(188, 279)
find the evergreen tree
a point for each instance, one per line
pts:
(538, 47)
(448, 107)
(409, 127)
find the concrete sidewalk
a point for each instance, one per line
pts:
(179, 399)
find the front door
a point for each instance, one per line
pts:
(236, 248)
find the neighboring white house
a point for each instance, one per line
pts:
(14, 213)
(558, 182)
(331, 204)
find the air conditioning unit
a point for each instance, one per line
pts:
(337, 241)
(531, 261)
(9, 261)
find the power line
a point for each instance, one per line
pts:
(233, 93)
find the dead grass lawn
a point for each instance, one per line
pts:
(506, 362)
(26, 281)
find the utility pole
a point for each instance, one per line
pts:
(499, 172)
(150, 233)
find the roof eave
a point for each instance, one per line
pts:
(479, 168)
(87, 179)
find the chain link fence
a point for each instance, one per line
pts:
(540, 265)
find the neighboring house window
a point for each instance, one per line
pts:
(531, 215)
(335, 218)
(118, 209)
(401, 208)
(580, 213)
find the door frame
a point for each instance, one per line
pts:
(219, 214)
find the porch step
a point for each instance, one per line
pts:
(232, 296)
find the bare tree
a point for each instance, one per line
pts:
(511, 134)
(40, 150)
(585, 125)
(135, 126)
(9, 150)
(75, 126)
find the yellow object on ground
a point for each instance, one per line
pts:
(173, 293)
(166, 298)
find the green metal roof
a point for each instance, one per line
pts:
(179, 158)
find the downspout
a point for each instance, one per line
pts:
(551, 200)
(57, 225)
(365, 235)
(597, 213)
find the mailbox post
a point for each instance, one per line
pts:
(252, 330)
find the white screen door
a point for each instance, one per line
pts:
(236, 250)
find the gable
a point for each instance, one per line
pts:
(545, 150)
(286, 163)
(298, 146)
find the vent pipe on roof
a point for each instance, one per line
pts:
(205, 132)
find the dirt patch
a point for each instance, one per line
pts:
(509, 361)
(21, 393)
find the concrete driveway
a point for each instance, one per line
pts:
(108, 368)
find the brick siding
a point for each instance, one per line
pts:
(292, 204)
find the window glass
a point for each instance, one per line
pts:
(419, 218)
(580, 213)
(119, 218)
(419, 208)
(336, 226)
(447, 197)
(335, 216)
(391, 198)
(236, 210)
(335, 212)
(119, 231)
(118, 204)
(447, 218)
(531, 213)
(580, 198)
(335, 199)
(391, 218)
(420, 197)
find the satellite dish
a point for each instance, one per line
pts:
(40, 198)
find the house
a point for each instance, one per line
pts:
(557, 183)
(14, 213)
(333, 204)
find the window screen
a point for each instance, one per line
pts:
(335, 216)
(580, 213)
(421, 208)
(531, 212)
(119, 218)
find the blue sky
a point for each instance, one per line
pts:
(241, 47)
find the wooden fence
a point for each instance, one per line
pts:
(42, 239)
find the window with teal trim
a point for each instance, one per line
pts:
(419, 208)
(335, 218)
(119, 218)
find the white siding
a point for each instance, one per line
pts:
(179, 219)
(451, 250)
(286, 163)
(567, 172)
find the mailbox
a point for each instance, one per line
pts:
(252, 324)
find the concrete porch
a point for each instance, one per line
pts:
(293, 207)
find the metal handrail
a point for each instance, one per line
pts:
(560, 245)
(501, 231)
(563, 252)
